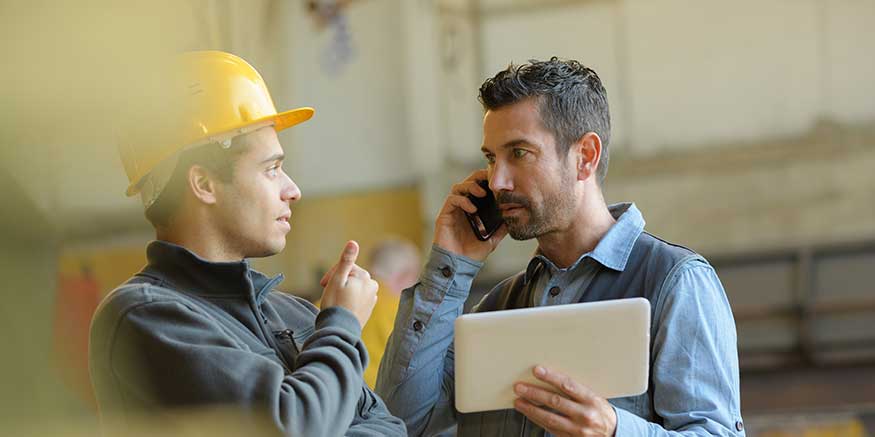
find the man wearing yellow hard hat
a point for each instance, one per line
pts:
(197, 326)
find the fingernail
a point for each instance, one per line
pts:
(540, 371)
(519, 388)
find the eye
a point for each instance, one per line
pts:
(272, 171)
(490, 158)
(519, 153)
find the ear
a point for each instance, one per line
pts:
(589, 152)
(202, 184)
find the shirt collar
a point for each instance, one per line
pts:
(613, 249)
(185, 270)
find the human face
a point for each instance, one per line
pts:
(254, 208)
(533, 185)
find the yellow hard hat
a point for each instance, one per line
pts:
(216, 96)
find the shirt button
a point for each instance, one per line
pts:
(739, 426)
(554, 291)
(447, 272)
(417, 326)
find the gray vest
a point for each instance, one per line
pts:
(650, 263)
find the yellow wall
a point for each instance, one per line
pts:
(110, 266)
(321, 226)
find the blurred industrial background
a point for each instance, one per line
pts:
(744, 130)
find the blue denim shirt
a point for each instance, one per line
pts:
(694, 385)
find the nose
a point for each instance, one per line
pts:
(290, 192)
(500, 178)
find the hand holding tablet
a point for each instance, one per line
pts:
(601, 345)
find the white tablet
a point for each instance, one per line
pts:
(604, 345)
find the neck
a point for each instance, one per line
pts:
(198, 237)
(591, 222)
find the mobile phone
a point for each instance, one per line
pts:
(487, 219)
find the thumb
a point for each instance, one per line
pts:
(324, 281)
(347, 261)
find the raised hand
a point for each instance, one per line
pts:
(349, 286)
(452, 231)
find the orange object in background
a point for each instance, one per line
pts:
(77, 299)
(84, 276)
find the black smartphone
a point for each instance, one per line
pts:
(487, 219)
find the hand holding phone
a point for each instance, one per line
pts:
(487, 219)
(453, 234)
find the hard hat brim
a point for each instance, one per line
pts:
(285, 120)
(281, 121)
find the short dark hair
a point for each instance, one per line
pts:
(213, 157)
(570, 96)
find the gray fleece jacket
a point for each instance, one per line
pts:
(186, 333)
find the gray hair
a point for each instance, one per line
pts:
(571, 100)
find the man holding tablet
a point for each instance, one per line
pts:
(545, 138)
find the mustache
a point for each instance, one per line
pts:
(506, 197)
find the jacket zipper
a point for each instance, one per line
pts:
(290, 336)
(268, 336)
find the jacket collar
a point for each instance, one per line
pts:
(613, 249)
(186, 271)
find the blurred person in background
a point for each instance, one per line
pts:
(545, 139)
(197, 327)
(395, 264)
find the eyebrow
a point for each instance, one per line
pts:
(507, 145)
(276, 157)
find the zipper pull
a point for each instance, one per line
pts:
(288, 334)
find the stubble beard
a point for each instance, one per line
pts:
(543, 218)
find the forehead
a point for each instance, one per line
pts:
(519, 121)
(259, 144)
